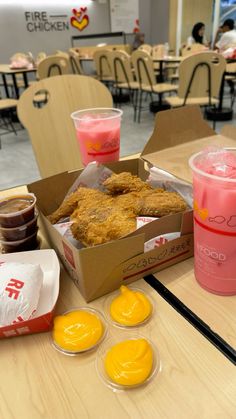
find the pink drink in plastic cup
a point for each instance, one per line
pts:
(214, 192)
(98, 134)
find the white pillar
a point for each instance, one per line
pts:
(179, 26)
(215, 20)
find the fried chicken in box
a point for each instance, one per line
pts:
(100, 217)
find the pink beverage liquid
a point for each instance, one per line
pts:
(99, 140)
(215, 222)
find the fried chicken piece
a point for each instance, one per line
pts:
(124, 182)
(134, 200)
(100, 217)
(72, 201)
(158, 203)
(101, 225)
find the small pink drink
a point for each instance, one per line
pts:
(98, 134)
(214, 191)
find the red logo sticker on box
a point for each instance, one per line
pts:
(68, 254)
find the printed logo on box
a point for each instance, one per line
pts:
(68, 254)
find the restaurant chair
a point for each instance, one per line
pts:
(51, 129)
(146, 48)
(200, 77)
(75, 62)
(40, 57)
(7, 106)
(187, 50)
(145, 75)
(230, 79)
(123, 75)
(54, 65)
(158, 52)
(102, 66)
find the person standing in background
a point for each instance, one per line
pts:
(198, 35)
(138, 40)
(228, 36)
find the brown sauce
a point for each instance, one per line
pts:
(14, 205)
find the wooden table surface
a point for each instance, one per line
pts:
(169, 59)
(195, 378)
(5, 69)
(218, 312)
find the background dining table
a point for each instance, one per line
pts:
(5, 71)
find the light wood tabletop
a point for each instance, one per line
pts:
(39, 382)
(218, 312)
(169, 59)
(5, 69)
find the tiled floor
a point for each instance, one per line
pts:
(18, 165)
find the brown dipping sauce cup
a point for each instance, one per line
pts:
(20, 232)
(16, 210)
(29, 243)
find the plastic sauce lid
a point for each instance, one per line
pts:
(129, 307)
(79, 330)
(128, 362)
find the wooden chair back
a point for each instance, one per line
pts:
(120, 63)
(200, 75)
(54, 65)
(62, 53)
(40, 57)
(75, 62)
(143, 68)
(158, 51)
(187, 50)
(102, 63)
(146, 48)
(88, 51)
(50, 127)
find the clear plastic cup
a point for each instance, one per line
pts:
(214, 193)
(116, 294)
(91, 348)
(98, 134)
(102, 353)
(16, 210)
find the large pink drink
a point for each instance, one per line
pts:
(214, 191)
(98, 134)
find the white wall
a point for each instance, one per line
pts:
(159, 21)
(14, 36)
(154, 20)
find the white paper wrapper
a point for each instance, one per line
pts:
(160, 240)
(141, 221)
(92, 176)
(65, 231)
(20, 286)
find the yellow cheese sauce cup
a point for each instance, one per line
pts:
(127, 362)
(79, 330)
(129, 307)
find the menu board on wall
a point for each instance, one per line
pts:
(124, 15)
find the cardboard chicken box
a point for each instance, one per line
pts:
(103, 268)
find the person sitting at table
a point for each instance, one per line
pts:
(228, 36)
(198, 35)
(138, 40)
